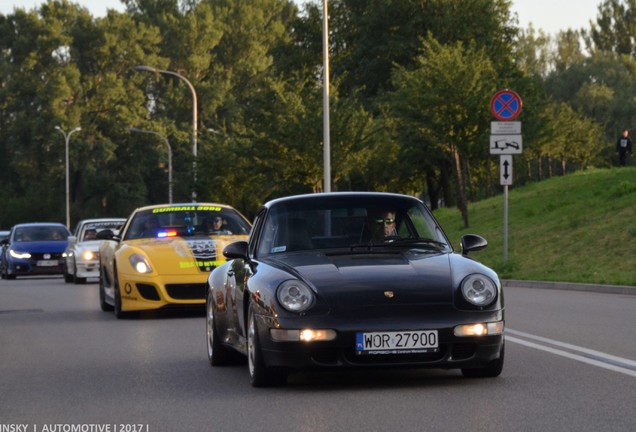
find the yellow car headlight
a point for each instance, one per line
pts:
(139, 263)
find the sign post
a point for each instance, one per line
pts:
(505, 140)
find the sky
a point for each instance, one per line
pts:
(549, 15)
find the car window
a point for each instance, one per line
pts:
(186, 221)
(89, 230)
(40, 233)
(342, 223)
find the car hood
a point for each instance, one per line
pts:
(407, 278)
(92, 245)
(40, 246)
(183, 255)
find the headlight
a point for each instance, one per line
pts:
(479, 290)
(139, 263)
(19, 255)
(88, 255)
(295, 296)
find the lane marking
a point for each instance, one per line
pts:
(591, 357)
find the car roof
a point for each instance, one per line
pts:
(338, 194)
(42, 224)
(83, 221)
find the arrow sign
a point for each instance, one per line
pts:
(505, 170)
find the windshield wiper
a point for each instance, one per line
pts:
(396, 241)
(418, 240)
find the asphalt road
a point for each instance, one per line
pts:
(67, 366)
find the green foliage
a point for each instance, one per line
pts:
(410, 87)
(576, 228)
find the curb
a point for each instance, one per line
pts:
(569, 286)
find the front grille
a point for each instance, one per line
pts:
(148, 292)
(396, 359)
(40, 256)
(186, 291)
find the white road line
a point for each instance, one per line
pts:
(601, 360)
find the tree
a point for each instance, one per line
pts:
(441, 101)
(614, 29)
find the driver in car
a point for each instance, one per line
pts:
(381, 224)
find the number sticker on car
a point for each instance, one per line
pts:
(402, 342)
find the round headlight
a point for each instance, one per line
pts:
(295, 296)
(479, 290)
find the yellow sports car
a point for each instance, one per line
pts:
(163, 255)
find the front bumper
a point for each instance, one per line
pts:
(31, 268)
(453, 351)
(138, 293)
(87, 269)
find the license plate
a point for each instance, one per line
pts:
(47, 263)
(402, 342)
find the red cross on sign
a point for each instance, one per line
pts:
(505, 105)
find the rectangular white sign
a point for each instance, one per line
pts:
(505, 127)
(505, 170)
(505, 144)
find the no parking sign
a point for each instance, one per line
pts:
(505, 105)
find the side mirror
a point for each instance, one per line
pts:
(236, 250)
(472, 243)
(71, 240)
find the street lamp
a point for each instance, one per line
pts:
(169, 157)
(67, 138)
(326, 151)
(145, 68)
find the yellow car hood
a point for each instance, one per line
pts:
(184, 255)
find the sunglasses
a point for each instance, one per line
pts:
(387, 221)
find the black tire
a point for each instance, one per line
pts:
(102, 295)
(77, 280)
(260, 374)
(7, 275)
(118, 312)
(218, 354)
(491, 370)
(68, 278)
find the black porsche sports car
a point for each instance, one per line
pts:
(352, 279)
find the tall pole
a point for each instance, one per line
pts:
(194, 117)
(67, 139)
(169, 157)
(505, 239)
(326, 155)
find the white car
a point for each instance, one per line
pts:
(81, 258)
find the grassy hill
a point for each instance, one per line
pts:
(576, 228)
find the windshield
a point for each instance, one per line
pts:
(90, 230)
(349, 222)
(186, 221)
(40, 233)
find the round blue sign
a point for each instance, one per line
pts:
(505, 105)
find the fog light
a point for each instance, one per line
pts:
(309, 335)
(305, 335)
(479, 329)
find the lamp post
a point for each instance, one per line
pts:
(145, 68)
(169, 156)
(67, 138)
(326, 151)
